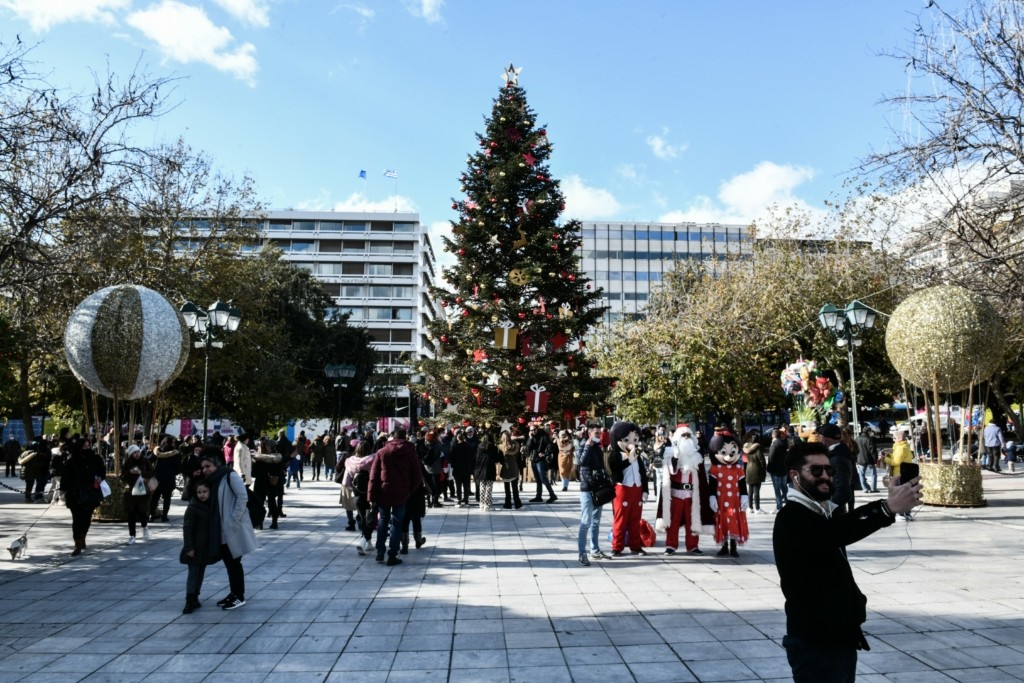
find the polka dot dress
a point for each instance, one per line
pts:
(730, 522)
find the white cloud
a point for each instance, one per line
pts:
(357, 201)
(364, 15)
(632, 173)
(185, 34)
(252, 12)
(427, 9)
(747, 196)
(661, 147)
(586, 203)
(43, 14)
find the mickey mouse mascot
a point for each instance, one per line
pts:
(630, 477)
(728, 492)
(683, 501)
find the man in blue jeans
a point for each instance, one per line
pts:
(591, 468)
(395, 474)
(776, 466)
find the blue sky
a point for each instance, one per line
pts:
(658, 110)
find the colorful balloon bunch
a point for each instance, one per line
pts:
(802, 378)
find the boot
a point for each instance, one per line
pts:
(79, 547)
(273, 523)
(725, 549)
(405, 544)
(420, 541)
(732, 548)
(191, 603)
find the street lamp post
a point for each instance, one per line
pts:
(207, 325)
(848, 324)
(339, 373)
(667, 371)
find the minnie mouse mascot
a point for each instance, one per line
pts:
(728, 492)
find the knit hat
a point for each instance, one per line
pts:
(830, 431)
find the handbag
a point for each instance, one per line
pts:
(339, 476)
(152, 484)
(602, 490)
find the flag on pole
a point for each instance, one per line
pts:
(390, 173)
(362, 174)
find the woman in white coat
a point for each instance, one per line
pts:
(231, 533)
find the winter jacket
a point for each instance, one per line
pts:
(396, 472)
(487, 458)
(776, 464)
(230, 522)
(195, 530)
(867, 451)
(463, 459)
(129, 478)
(755, 464)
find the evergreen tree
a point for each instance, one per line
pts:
(517, 307)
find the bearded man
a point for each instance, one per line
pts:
(824, 606)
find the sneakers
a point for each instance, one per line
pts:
(380, 557)
(350, 527)
(420, 542)
(234, 603)
(552, 499)
(670, 551)
(226, 599)
(616, 553)
(361, 546)
(393, 560)
(131, 540)
(598, 555)
(584, 561)
(640, 551)
(538, 499)
(145, 533)
(695, 551)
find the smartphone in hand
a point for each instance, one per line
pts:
(908, 471)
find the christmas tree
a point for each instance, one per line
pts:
(517, 309)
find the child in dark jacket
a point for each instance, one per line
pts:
(196, 551)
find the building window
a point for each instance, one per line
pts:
(330, 246)
(304, 225)
(402, 269)
(332, 288)
(352, 245)
(301, 246)
(329, 268)
(405, 246)
(378, 269)
(352, 292)
(380, 292)
(401, 292)
(401, 336)
(280, 225)
(351, 268)
(330, 226)
(405, 227)
(380, 248)
(354, 226)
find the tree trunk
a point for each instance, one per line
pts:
(1011, 415)
(25, 400)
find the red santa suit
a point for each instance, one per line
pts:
(683, 498)
(730, 487)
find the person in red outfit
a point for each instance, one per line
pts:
(684, 498)
(728, 492)
(630, 477)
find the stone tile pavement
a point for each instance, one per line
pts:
(498, 598)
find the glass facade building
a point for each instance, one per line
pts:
(628, 260)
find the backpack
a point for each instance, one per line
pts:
(361, 482)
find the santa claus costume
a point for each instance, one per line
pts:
(728, 492)
(683, 499)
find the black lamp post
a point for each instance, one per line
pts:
(219, 318)
(667, 371)
(339, 373)
(848, 325)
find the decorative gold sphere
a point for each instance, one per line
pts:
(945, 335)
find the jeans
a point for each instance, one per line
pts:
(462, 488)
(540, 471)
(820, 663)
(590, 518)
(390, 523)
(137, 509)
(863, 470)
(754, 490)
(194, 582)
(296, 477)
(780, 485)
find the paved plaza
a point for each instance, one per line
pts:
(497, 597)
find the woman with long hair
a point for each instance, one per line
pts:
(510, 448)
(80, 487)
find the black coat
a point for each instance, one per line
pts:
(78, 481)
(776, 463)
(811, 563)
(487, 458)
(843, 474)
(462, 459)
(196, 533)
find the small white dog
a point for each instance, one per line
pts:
(19, 547)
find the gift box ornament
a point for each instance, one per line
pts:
(505, 335)
(537, 398)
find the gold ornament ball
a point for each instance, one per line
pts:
(504, 373)
(447, 378)
(575, 394)
(947, 335)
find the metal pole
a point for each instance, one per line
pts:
(675, 401)
(853, 382)
(206, 387)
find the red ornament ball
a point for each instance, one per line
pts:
(444, 338)
(426, 394)
(522, 316)
(494, 145)
(554, 247)
(548, 316)
(519, 367)
(461, 252)
(444, 304)
(465, 313)
(572, 278)
(554, 235)
(521, 420)
(542, 131)
(454, 205)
